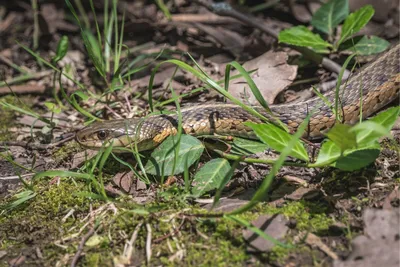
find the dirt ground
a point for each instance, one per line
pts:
(319, 216)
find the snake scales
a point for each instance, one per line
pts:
(377, 84)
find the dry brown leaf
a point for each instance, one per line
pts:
(125, 181)
(272, 76)
(380, 245)
(274, 226)
(315, 241)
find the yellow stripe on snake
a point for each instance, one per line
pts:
(377, 84)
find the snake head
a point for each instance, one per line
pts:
(121, 134)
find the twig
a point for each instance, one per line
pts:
(158, 240)
(35, 24)
(16, 177)
(224, 9)
(15, 66)
(81, 245)
(129, 249)
(23, 78)
(36, 146)
(148, 244)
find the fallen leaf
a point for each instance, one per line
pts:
(272, 76)
(125, 181)
(274, 226)
(380, 245)
(315, 241)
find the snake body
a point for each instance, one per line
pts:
(376, 84)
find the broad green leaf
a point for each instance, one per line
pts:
(210, 176)
(355, 22)
(247, 147)
(370, 131)
(301, 36)
(328, 153)
(162, 159)
(329, 15)
(357, 158)
(387, 118)
(341, 135)
(278, 139)
(365, 45)
(62, 49)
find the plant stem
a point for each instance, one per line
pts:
(35, 25)
(264, 161)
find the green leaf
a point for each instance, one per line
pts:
(328, 153)
(341, 135)
(21, 198)
(62, 49)
(262, 191)
(253, 87)
(92, 47)
(53, 107)
(81, 94)
(357, 158)
(95, 240)
(301, 36)
(329, 15)
(365, 45)
(94, 44)
(246, 147)
(210, 176)
(278, 139)
(355, 22)
(370, 131)
(387, 118)
(162, 159)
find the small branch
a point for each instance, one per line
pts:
(23, 78)
(35, 25)
(148, 244)
(81, 245)
(129, 249)
(224, 9)
(158, 240)
(15, 66)
(35, 146)
(266, 161)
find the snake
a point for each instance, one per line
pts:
(365, 92)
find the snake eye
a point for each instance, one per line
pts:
(102, 134)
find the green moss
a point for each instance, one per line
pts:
(40, 218)
(202, 241)
(309, 216)
(7, 119)
(65, 151)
